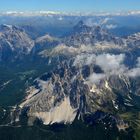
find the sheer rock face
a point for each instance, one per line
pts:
(133, 40)
(45, 42)
(67, 92)
(85, 35)
(14, 42)
(60, 96)
(63, 113)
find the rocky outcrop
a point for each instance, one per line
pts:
(67, 93)
(85, 35)
(45, 42)
(88, 74)
(14, 42)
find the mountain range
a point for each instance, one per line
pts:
(90, 75)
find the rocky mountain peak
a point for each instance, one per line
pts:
(7, 28)
(81, 27)
(14, 42)
(133, 40)
(86, 35)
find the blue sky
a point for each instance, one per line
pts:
(69, 5)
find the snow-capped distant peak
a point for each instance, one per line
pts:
(48, 13)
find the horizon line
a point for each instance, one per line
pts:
(51, 12)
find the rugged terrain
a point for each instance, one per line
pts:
(89, 76)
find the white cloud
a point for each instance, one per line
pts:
(135, 72)
(111, 26)
(138, 62)
(96, 78)
(60, 18)
(96, 22)
(111, 63)
(84, 59)
(91, 22)
(108, 62)
(105, 20)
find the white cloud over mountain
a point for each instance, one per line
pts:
(111, 26)
(111, 65)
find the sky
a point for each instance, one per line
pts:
(70, 5)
